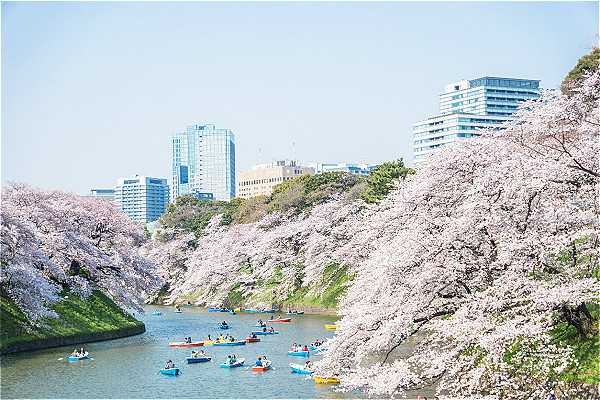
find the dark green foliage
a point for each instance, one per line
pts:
(381, 178)
(299, 194)
(587, 64)
(76, 316)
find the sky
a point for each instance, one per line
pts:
(92, 91)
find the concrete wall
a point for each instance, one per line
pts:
(73, 339)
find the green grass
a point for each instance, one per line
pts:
(333, 280)
(587, 354)
(76, 316)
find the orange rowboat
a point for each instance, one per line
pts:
(252, 340)
(256, 368)
(280, 320)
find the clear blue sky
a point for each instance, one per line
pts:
(91, 91)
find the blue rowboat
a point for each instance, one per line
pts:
(239, 363)
(260, 326)
(170, 371)
(156, 313)
(298, 353)
(268, 311)
(178, 311)
(295, 313)
(232, 312)
(79, 358)
(251, 310)
(300, 369)
(237, 343)
(217, 309)
(192, 360)
(224, 327)
(265, 333)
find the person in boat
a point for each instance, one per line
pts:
(233, 359)
(260, 322)
(265, 361)
(272, 318)
(272, 330)
(223, 323)
(265, 329)
(74, 353)
(201, 353)
(231, 339)
(253, 335)
(279, 317)
(229, 360)
(317, 343)
(169, 365)
(305, 348)
(193, 354)
(294, 347)
(220, 337)
(208, 339)
(259, 363)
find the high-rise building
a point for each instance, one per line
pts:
(103, 194)
(142, 198)
(361, 169)
(468, 106)
(263, 177)
(204, 163)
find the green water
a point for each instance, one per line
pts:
(127, 368)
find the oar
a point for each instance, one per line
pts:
(63, 358)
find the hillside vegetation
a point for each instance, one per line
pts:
(293, 246)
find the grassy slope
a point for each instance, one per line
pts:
(587, 354)
(96, 314)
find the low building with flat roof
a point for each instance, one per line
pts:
(261, 179)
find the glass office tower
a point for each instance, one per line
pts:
(142, 198)
(468, 106)
(204, 163)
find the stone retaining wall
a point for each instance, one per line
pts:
(72, 339)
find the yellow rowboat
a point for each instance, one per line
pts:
(237, 309)
(209, 342)
(326, 381)
(330, 326)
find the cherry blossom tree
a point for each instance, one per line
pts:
(52, 239)
(480, 256)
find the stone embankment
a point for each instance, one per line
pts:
(38, 344)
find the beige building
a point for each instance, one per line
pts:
(263, 177)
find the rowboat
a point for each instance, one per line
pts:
(192, 360)
(314, 348)
(256, 368)
(209, 342)
(260, 326)
(252, 340)
(251, 310)
(280, 320)
(170, 371)
(232, 312)
(156, 313)
(217, 309)
(184, 344)
(265, 333)
(298, 353)
(331, 326)
(268, 311)
(295, 313)
(177, 311)
(237, 343)
(300, 369)
(79, 358)
(224, 327)
(333, 381)
(239, 363)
